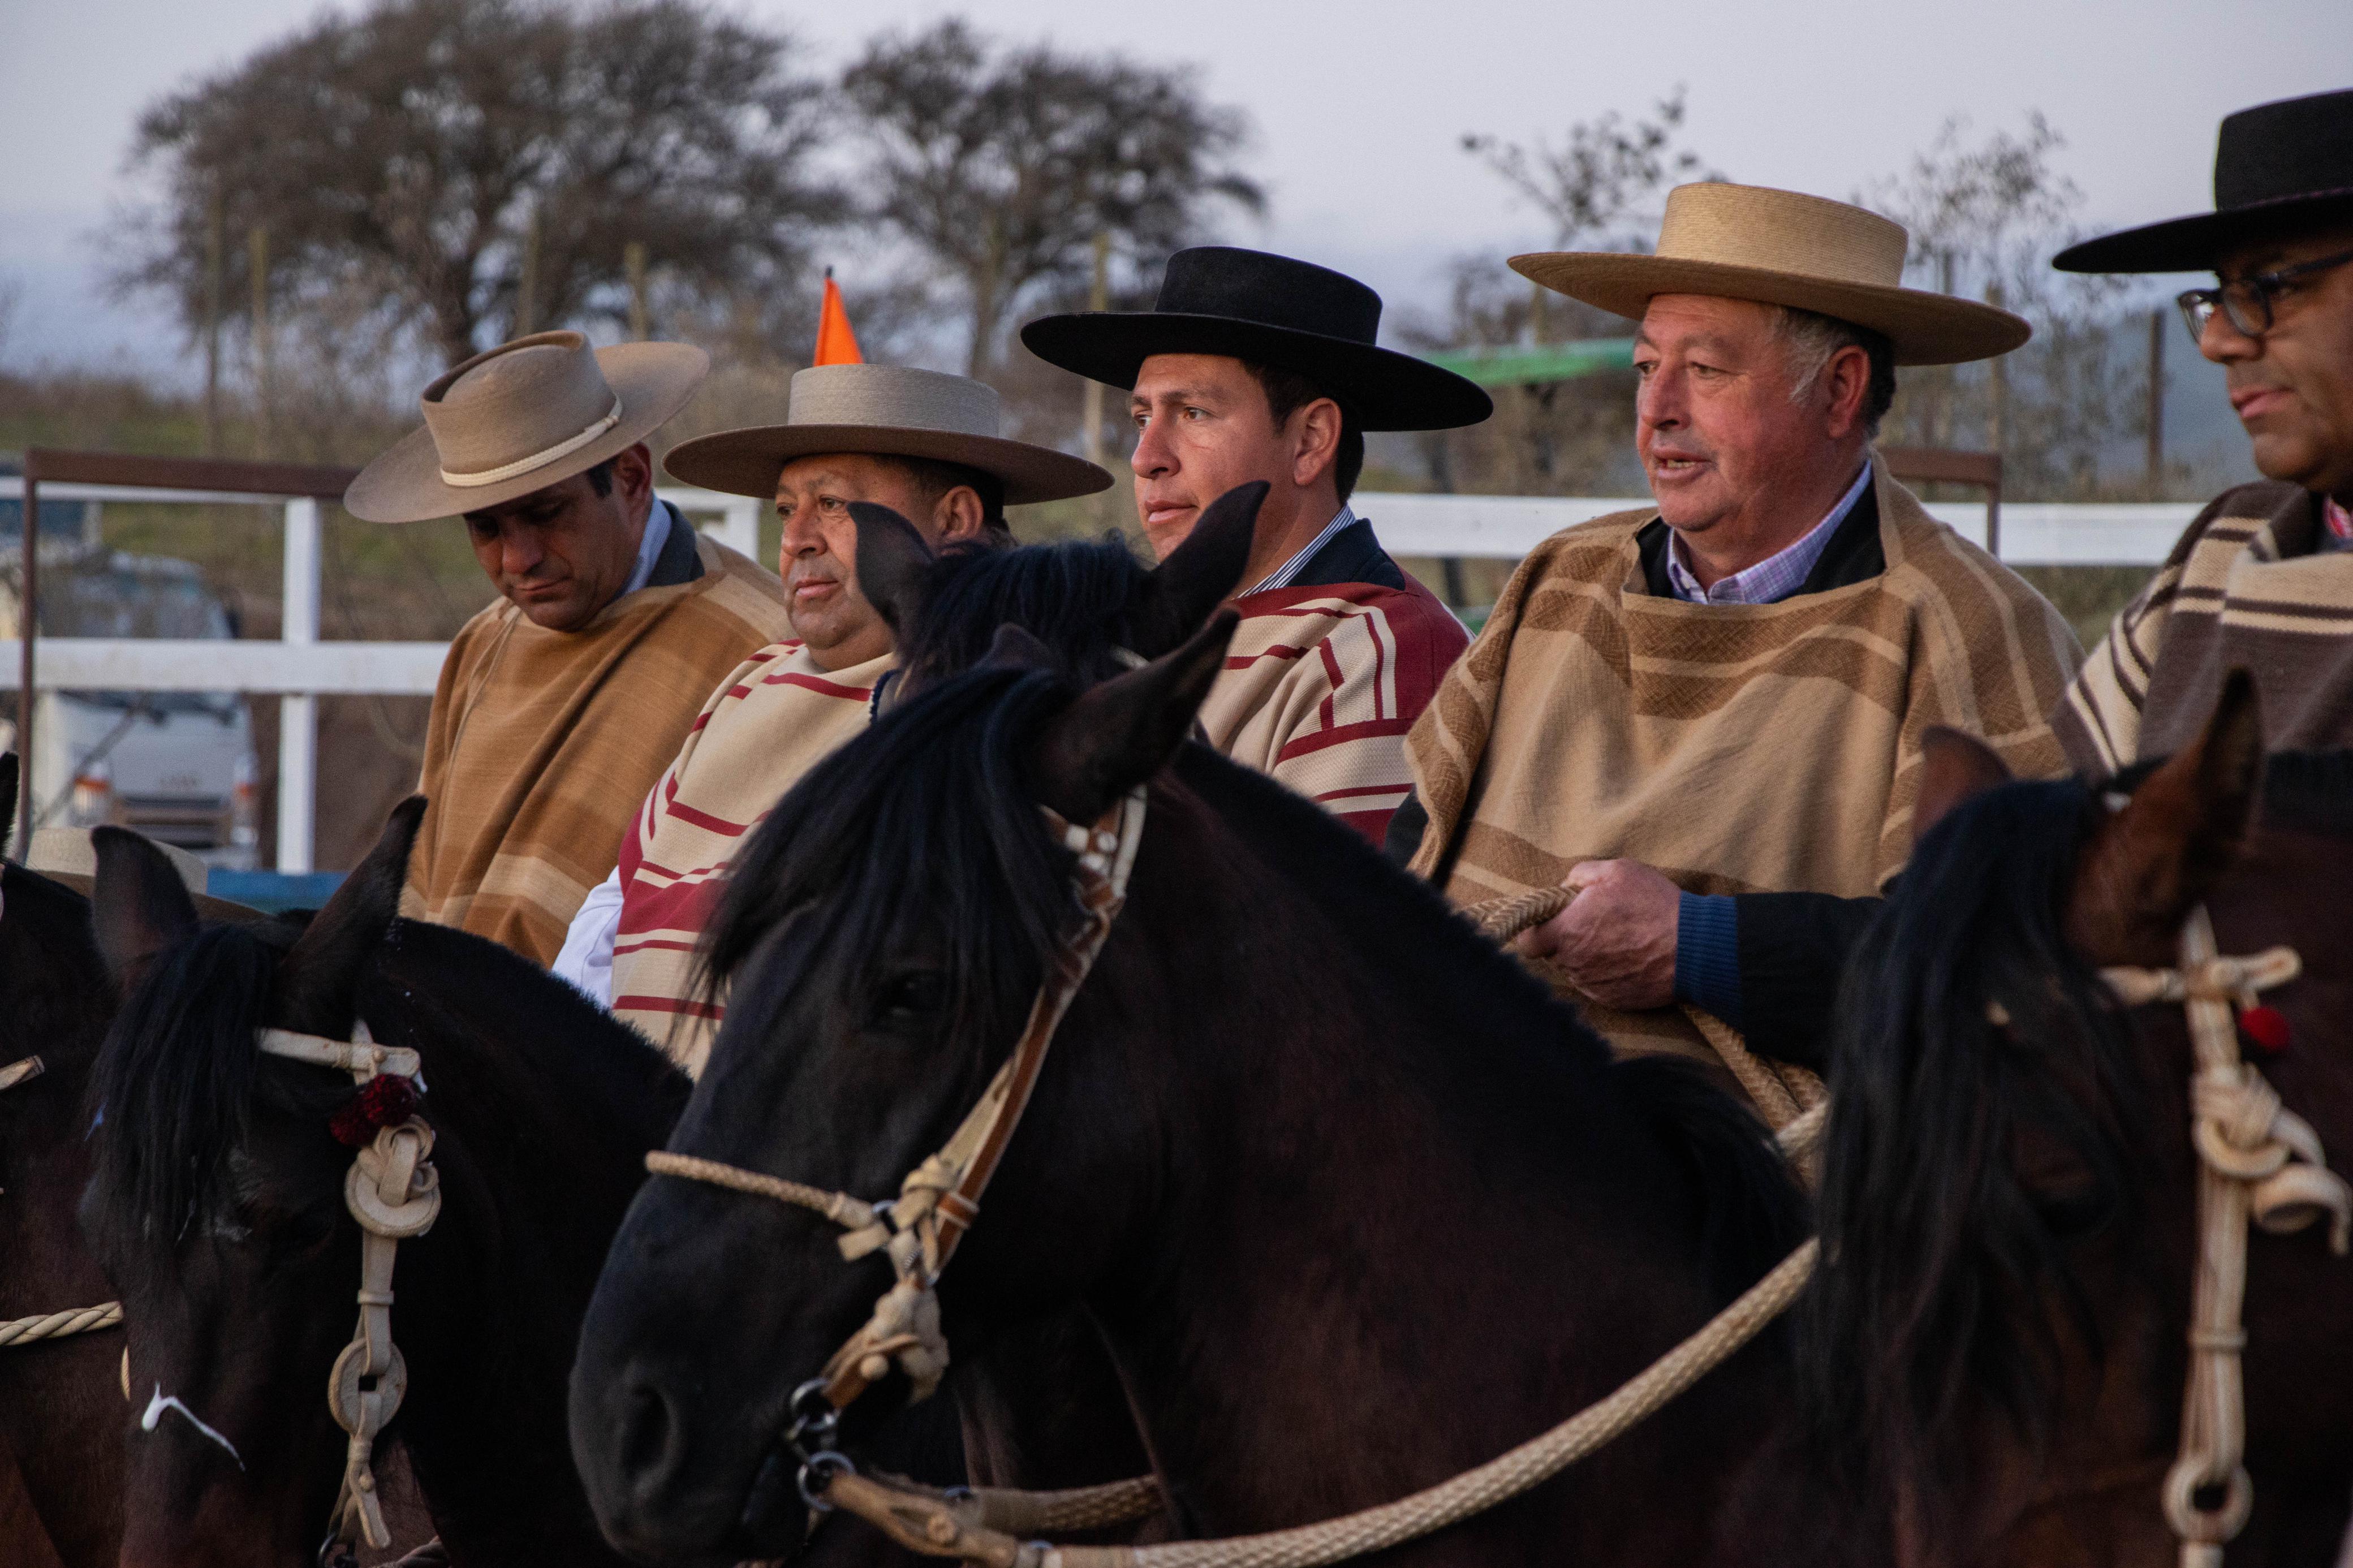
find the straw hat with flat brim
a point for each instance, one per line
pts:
(1778, 248)
(888, 411)
(525, 416)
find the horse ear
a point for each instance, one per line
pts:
(1019, 647)
(1954, 767)
(138, 905)
(1172, 601)
(1121, 733)
(7, 799)
(318, 980)
(2152, 862)
(892, 561)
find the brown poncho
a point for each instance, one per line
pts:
(2244, 589)
(542, 743)
(1736, 748)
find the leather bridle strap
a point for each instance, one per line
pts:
(940, 1198)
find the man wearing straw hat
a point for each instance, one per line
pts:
(1258, 367)
(2263, 578)
(921, 443)
(1705, 715)
(559, 704)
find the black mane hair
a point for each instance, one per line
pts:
(177, 1077)
(1073, 595)
(1939, 1264)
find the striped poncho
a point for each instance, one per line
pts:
(2248, 586)
(1736, 748)
(768, 724)
(542, 743)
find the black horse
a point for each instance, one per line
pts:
(1354, 1203)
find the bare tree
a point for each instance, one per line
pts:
(1605, 171)
(1985, 217)
(448, 157)
(1000, 167)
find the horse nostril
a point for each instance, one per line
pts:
(649, 1447)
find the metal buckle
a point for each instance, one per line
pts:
(817, 1474)
(815, 1423)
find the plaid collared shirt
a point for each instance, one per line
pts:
(1777, 576)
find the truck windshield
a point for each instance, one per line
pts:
(108, 599)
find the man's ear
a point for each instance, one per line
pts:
(1171, 601)
(138, 905)
(1117, 734)
(893, 559)
(2152, 862)
(1954, 767)
(318, 980)
(633, 471)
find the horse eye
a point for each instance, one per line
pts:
(915, 994)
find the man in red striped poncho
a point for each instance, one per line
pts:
(924, 445)
(1258, 367)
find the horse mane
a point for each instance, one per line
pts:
(1075, 596)
(1939, 1264)
(177, 1078)
(938, 785)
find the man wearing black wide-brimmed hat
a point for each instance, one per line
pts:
(2263, 578)
(1259, 367)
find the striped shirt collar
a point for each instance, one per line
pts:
(1288, 573)
(1777, 576)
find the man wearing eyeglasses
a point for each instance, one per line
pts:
(2264, 579)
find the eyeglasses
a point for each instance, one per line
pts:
(2247, 301)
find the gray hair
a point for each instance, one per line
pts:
(1813, 338)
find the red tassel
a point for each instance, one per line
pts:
(381, 1102)
(2267, 1027)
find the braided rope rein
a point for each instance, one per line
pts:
(43, 1326)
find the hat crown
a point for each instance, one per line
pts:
(1271, 290)
(536, 397)
(894, 397)
(1782, 231)
(2295, 147)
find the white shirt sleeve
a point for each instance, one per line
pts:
(586, 960)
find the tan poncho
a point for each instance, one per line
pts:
(542, 743)
(771, 721)
(1736, 748)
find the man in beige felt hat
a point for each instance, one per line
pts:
(559, 704)
(1705, 714)
(925, 445)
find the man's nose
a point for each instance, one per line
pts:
(2220, 341)
(1152, 456)
(800, 534)
(1658, 400)
(520, 552)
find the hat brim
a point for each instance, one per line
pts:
(404, 484)
(217, 912)
(2193, 244)
(746, 462)
(1923, 327)
(1382, 389)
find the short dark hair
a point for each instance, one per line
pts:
(600, 478)
(1814, 337)
(935, 479)
(1288, 392)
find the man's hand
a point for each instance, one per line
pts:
(1616, 941)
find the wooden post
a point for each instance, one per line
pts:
(526, 317)
(1090, 434)
(265, 382)
(1997, 382)
(633, 262)
(215, 262)
(2156, 396)
(28, 633)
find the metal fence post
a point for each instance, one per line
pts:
(297, 713)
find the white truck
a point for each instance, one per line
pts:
(178, 766)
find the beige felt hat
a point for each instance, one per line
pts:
(522, 417)
(1778, 248)
(889, 411)
(66, 856)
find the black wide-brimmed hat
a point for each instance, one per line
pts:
(2275, 163)
(1271, 309)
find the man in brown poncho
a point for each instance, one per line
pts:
(560, 704)
(1705, 715)
(2264, 579)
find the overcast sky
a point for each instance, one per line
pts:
(1359, 108)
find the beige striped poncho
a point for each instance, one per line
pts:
(542, 743)
(1736, 748)
(2243, 588)
(768, 724)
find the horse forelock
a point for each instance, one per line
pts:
(1073, 595)
(1943, 1273)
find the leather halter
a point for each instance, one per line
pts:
(940, 1198)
